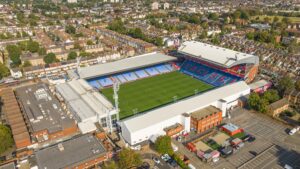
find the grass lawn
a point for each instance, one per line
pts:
(148, 93)
(261, 18)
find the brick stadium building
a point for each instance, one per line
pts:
(206, 119)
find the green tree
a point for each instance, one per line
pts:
(213, 16)
(4, 71)
(70, 29)
(50, 58)
(6, 140)
(254, 101)
(90, 42)
(72, 55)
(262, 105)
(250, 35)
(33, 46)
(14, 53)
(128, 159)
(284, 84)
(271, 96)
(163, 145)
(109, 165)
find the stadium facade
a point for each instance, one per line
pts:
(226, 70)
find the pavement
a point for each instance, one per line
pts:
(273, 147)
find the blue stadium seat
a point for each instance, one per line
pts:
(95, 84)
(162, 69)
(141, 73)
(130, 76)
(209, 75)
(169, 67)
(106, 81)
(152, 71)
(120, 78)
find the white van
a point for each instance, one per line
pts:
(294, 130)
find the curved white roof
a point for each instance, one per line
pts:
(215, 54)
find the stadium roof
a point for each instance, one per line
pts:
(215, 54)
(70, 153)
(124, 65)
(184, 106)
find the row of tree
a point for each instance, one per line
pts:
(118, 26)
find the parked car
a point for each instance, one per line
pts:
(156, 160)
(215, 160)
(294, 130)
(248, 138)
(165, 157)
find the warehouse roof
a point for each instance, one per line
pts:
(215, 54)
(70, 153)
(42, 109)
(188, 105)
(124, 65)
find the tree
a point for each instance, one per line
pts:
(250, 35)
(284, 84)
(4, 71)
(271, 96)
(33, 46)
(90, 42)
(110, 165)
(72, 55)
(254, 101)
(128, 158)
(163, 145)
(213, 16)
(14, 53)
(50, 58)
(70, 29)
(6, 140)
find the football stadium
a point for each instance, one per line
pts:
(157, 91)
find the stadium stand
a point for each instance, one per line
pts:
(141, 73)
(120, 78)
(105, 82)
(162, 69)
(130, 76)
(152, 71)
(209, 75)
(101, 82)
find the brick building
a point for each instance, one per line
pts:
(278, 107)
(85, 151)
(206, 118)
(43, 113)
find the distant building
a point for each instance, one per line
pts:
(16, 73)
(260, 86)
(72, 1)
(166, 5)
(293, 97)
(155, 6)
(278, 107)
(82, 152)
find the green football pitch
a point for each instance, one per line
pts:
(148, 93)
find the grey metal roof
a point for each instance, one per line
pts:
(124, 65)
(218, 55)
(184, 106)
(42, 109)
(75, 151)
